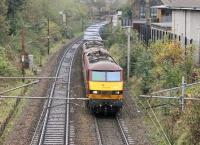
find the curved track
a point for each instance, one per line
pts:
(54, 124)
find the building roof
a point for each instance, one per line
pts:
(161, 7)
(182, 4)
(163, 25)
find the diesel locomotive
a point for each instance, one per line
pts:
(103, 79)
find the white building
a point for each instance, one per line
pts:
(116, 19)
(186, 21)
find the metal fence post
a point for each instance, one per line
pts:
(183, 93)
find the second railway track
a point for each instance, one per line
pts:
(54, 125)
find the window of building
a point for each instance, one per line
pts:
(153, 12)
(142, 9)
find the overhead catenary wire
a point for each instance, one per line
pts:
(151, 118)
(22, 86)
(42, 77)
(175, 88)
(165, 90)
(159, 124)
(182, 98)
(42, 97)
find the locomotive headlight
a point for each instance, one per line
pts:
(117, 92)
(94, 92)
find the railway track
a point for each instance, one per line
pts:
(54, 126)
(112, 131)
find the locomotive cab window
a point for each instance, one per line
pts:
(98, 76)
(113, 76)
(106, 76)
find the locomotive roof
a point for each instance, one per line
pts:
(97, 38)
(95, 55)
(91, 44)
(102, 65)
(95, 50)
(91, 33)
(100, 59)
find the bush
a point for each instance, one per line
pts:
(6, 69)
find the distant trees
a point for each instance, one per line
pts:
(9, 17)
(100, 4)
(127, 12)
(13, 14)
(32, 16)
(3, 24)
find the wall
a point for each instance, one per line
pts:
(148, 4)
(189, 26)
(115, 20)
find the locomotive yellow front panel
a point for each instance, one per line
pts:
(106, 86)
(105, 97)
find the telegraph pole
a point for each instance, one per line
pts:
(22, 53)
(48, 37)
(127, 24)
(128, 52)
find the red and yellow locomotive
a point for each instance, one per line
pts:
(103, 79)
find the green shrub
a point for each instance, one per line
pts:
(6, 69)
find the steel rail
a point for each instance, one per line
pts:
(50, 100)
(46, 116)
(44, 126)
(68, 100)
(35, 138)
(120, 128)
(122, 131)
(97, 132)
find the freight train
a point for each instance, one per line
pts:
(103, 77)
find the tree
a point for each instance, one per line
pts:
(127, 12)
(13, 16)
(3, 24)
(99, 4)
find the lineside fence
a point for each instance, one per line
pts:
(180, 96)
(147, 34)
